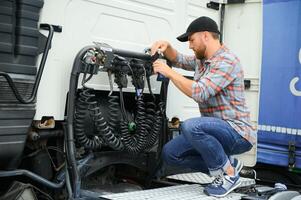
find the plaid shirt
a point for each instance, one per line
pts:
(219, 89)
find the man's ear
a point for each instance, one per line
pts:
(206, 36)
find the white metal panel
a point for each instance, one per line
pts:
(131, 25)
(252, 99)
(51, 96)
(134, 25)
(179, 105)
(128, 24)
(243, 35)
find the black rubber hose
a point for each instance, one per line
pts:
(35, 177)
(71, 150)
(83, 104)
(132, 54)
(154, 121)
(105, 130)
(135, 142)
(150, 88)
(39, 75)
(141, 125)
(114, 112)
(163, 139)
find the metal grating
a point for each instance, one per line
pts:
(202, 178)
(180, 192)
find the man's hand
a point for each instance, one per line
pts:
(162, 68)
(184, 84)
(169, 52)
(162, 45)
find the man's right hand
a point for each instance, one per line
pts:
(162, 45)
(169, 52)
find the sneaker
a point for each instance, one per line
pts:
(222, 185)
(237, 164)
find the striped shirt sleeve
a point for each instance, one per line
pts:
(219, 77)
(185, 62)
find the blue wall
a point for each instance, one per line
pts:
(280, 92)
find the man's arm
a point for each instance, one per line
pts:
(178, 60)
(218, 78)
(182, 83)
(169, 52)
(185, 62)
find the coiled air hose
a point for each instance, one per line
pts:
(104, 131)
(113, 113)
(135, 141)
(132, 139)
(153, 120)
(84, 103)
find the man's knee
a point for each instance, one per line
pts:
(187, 126)
(168, 155)
(192, 127)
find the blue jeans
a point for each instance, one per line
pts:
(205, 145)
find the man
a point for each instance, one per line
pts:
(224, 129)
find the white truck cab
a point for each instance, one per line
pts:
(65, 94)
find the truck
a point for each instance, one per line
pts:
(82, 116)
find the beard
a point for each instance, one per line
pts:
(200, 53)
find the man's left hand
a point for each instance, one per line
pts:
(162, 68)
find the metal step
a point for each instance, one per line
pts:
(179, 192)
(202, 178)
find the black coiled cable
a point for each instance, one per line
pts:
(135, 142)
(154, 120)
(113, 113)
(105, 130)
(83, 104)
(141, 125)
(148, 121)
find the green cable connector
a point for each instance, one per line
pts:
(131, 126)
(296, 170)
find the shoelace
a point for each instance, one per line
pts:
(218, 181)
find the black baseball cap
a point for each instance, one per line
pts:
(200, 24)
